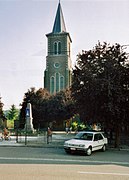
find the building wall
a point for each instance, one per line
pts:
(57, 75)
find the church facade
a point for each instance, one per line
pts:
(58, 72)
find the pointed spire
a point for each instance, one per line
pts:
(59, 24)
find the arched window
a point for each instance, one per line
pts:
(57, 82)
(61, 83)
(55, 48)
(52, 85)
(59, 47)
(69, 49)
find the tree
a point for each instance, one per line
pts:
(1, 108)
(47, 108)
(101, 86)
(1, 113)
(13, 113)
(37, 98)
(61, 106)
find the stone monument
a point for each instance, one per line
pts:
(29, 124)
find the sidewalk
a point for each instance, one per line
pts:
(11, 142)
(58, 139)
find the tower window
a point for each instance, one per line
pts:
(61, 82)
(57, 48)
(57, 82)
(52, 83)
(69, 49)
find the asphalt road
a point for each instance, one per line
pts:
(31, 155)
(53, 163)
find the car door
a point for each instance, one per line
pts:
(95, 142)
(98, 141)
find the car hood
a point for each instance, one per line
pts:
(77, 142)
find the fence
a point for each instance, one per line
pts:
(42, 139)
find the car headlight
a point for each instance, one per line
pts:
(81, 145)
(66, 144)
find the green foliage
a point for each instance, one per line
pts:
(38, 100)
(74, 125)
(100, 85)
(10, 124)
(13, 113)
(47, 108)
(1, 108)
(1, 114)
(77, 126)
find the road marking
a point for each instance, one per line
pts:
(64, 160)
(104, 173)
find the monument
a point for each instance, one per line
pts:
(29, 124)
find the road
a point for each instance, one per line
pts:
(53, 163)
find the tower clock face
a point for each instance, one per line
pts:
(56, 65)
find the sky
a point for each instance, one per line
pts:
(23, 42)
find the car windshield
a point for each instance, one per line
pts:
(84, 136)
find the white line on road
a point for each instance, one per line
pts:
(104, 173)
(64, 160)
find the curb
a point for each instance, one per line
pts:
(50, 145)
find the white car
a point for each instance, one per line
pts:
(86, 141)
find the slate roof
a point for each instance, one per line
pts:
(59, 24)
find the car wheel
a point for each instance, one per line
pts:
(67, 151)
(104, 148)
(89, 151)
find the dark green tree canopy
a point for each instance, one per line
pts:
(47, 108)
(2, 117)
(37, 98)
(101, 84)
(1, 107)
(13, 113)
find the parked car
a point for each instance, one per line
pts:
(86, 141)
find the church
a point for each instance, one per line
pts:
(58, 72)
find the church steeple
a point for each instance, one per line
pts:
(59, 24)
(58, 72)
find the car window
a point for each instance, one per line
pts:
(98, 137)
(87, 136)
(84, 136)
(78, 136)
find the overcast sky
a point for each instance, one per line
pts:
(23, 44)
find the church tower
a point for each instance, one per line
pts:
(58, 72)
